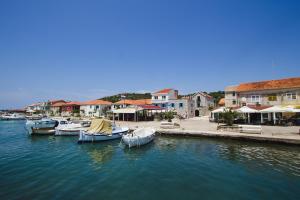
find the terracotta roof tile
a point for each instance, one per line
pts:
(221, 102)
(164, 91)
(58, 104)
(96, 102)
(134, 102)
(72, 103)
(270, 85)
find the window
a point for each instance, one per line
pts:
(234, 102)
(180, 105)
(172, 105)
(97, 107)
(198, 101)
(163, 97)
(255, 98)
(233, 94)
(272, 97)
(291, 96)
(163, 105)
(155, 97)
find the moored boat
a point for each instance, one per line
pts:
(43, 126)
(71, 129)
(139, 137)
(34, 117)
(14, 116)
(101, 130)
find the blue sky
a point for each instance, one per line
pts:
(82, 50)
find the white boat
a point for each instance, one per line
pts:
(43, 127)
(70, 129)
(34, 117)
(101, 130)
(14, 116)
(139, 137)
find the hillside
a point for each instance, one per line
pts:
(133, 96)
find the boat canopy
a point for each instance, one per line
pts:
(100, 126)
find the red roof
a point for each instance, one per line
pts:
(270, 85)
(72, 103)
(222, 102)
(58, 104)
(164, 91)
(134, 102)
(56, 101)
(96, 102)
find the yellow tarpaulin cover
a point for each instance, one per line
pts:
(100, 126)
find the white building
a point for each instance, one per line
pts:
(95, 108)
(162, 97)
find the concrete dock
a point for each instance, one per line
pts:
(288, 139)
(201, 127)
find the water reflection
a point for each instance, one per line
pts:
(254, 156)
(136, 153)
(100, 153)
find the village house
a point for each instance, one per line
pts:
(184, 107)
(33, 108)
(95, 108)
(202, 103)
(188, 106)
(56, 108)
(134, 110)
(70, 109)
(129, 102)
(163, 97)
(264, 93)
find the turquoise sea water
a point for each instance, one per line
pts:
(49, 167)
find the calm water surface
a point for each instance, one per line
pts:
(49, 167)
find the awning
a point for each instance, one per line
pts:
(126, 110)
(219, 110)
(279, 109)
(246, 109)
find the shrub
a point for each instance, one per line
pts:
(169, 116)
(228, 116)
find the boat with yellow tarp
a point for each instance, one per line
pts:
(101, 130)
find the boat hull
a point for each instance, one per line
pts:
(67, 132)
(46, 127)
(42, 131)
(135, 139)
(85, 137)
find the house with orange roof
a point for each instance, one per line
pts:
(264, 93)
(70, 109)
(162, 97)
(221, 102)
(129, 102)
(95, 108)
(194, 105)
(56, 107)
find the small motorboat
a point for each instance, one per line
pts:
(43, 127)
(34, 117)
(139, 137)
(14, 116)
(70, 129)
(101, 130)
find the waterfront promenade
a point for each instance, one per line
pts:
(202, 127)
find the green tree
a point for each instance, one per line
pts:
(228, 116)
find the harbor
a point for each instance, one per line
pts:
(57, 167)
(149, 100)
